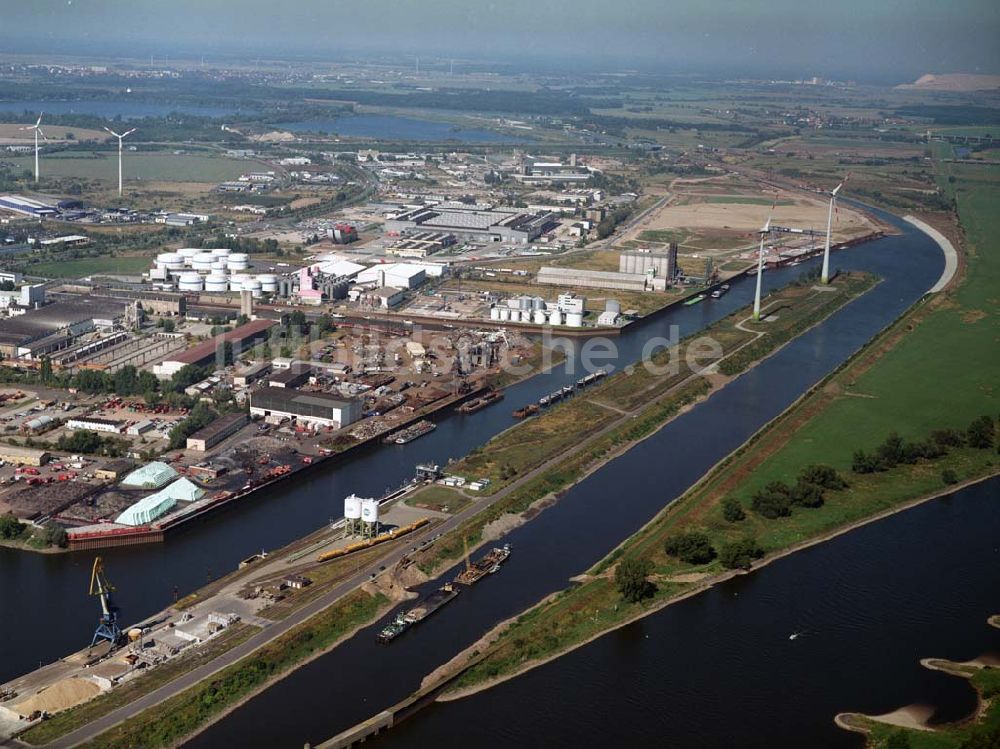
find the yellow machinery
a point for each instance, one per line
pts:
(326, 556)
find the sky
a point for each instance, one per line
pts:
(865, 39)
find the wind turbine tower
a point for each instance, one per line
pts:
(37, 127)
(120, 139)
(825, 277)
(760, 268)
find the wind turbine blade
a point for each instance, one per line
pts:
(129, 132)
(39, 122)
(836, 190)
(42, 134)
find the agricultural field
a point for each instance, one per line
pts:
(138, 167)
(13, 135)
(110, 264)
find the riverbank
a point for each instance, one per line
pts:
(462, 688)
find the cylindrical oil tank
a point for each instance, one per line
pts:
(352, 507)
(369, 510)
(219, 265)
(613, 305)
(539, 316)
(574, 319)
(494, 313)
(268, 283)
(190, 282)
(555, 317)
(537, 303)
(221, 252)
(238, 261)
(202, 261)
(217, 282)
(252, 284)
(170, 261)
(236, 282)
(524, 302)
(188, 254)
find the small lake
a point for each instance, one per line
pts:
(127, 110)
(392, 127)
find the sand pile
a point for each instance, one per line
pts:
(60, 696)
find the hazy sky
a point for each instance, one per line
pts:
(894, 39)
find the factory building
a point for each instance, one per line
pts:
(156, 302)
(317, 409)
(28, 206)
(216, 432)
(473, 222)
(92, 424)
(39, 332)
(421, 244)
(248, 376)
(384, 297)
(240, 339)
(23, 456)
(397, 275)
(658, 264)
(556, 276)
(537, 172)
(291, 377)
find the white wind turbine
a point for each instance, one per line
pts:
(37, 127)
(120, 139)
(825, 277)
(760, 265)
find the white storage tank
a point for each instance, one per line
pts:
(170, 261)
(238, 261)
(555, 317)
(537, 303)
(217, 282)
(190, 282)
(352, 507)
(505, 314)
(494, 313)
(202, 261)
(221, 252)
(268, 283)
(252, 284)
(220, 266)
(187, 253)
(511, 303)
(539, 316)
(369, 510)
(574, 319)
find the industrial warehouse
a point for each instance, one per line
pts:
(491, 224)
(277, 404)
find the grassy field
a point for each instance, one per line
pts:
(144, 167)
(111, 264)
(746, 200)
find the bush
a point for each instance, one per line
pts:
(693, 547)
(949, 477)
(823, 476)
(740, 554)
(980, 433)
(948, 437)
(732, 510)
(864, 462)
(773, 501)
(806, 495)
(891, 452)
(630, 579)
(10, 527)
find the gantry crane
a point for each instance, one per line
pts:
(107, 626)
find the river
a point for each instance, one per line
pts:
(355, 680)
(397, 128)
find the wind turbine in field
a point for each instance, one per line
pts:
(120, 138)
(760, 266)
(37, 127)
(825, 277)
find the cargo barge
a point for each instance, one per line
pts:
(477, 404)
(411, 433)
(525, 411)
(406, 619)
(488, 565)
(694, 300)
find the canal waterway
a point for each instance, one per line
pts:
(358, 679)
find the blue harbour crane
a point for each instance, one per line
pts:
(107, 626)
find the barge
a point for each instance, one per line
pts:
(411, 433)
(477, 404)
(488, 565)
(694, 300)
(406, 619)
(525, 411)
